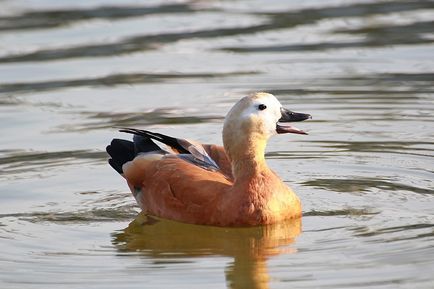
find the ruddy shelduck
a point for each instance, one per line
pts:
(229, 185)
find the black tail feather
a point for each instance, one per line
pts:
(122, 151)
(170, 141)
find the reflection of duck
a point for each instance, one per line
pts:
(250, 247)
(209, 184)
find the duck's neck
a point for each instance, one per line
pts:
(247, 156)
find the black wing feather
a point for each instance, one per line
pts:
(167, 140)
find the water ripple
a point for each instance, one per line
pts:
(58, 18)
(364, 185)
(121, 213)
(104, 120)
(280, 20)
(409, 34)
(111, 80)
(400, 147)
(342, 212)
(14, 162)
(128, 45)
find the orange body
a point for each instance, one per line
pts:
(172, 188)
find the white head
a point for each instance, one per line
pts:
(262, 113)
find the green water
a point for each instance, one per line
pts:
(72, 71)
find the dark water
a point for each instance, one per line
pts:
(71, 71)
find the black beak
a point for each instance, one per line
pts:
(290, 116)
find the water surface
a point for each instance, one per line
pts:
(72, 71)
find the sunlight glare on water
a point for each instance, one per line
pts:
(73, 71)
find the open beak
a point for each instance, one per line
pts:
(282, 125)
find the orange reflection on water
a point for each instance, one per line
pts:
(250, 248)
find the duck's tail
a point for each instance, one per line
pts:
(122, 151)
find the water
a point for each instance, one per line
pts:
(71, 71)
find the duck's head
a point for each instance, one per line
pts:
(258, 117)
(263, 114)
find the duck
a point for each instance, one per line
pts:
(209, 184)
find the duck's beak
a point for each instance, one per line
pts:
(282, 125)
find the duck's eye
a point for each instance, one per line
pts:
(262, 106)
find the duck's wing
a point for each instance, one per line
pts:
(209, 157)
(218, 154)
(169, 187)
